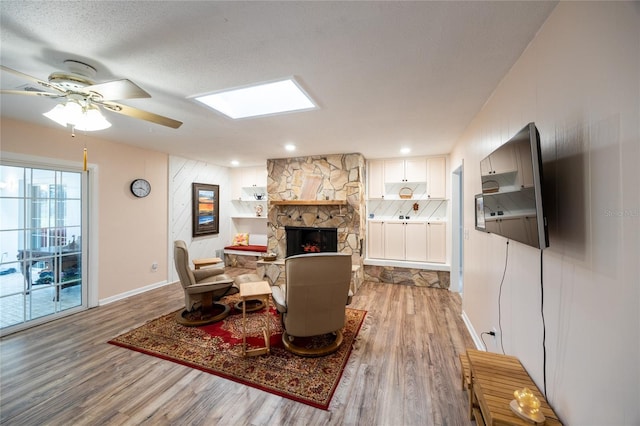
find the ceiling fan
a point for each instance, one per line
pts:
(77, 88)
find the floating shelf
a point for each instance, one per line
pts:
(248, 217)
(309, 203)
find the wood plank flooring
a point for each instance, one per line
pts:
(403, 370)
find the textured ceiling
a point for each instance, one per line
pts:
(385, 74)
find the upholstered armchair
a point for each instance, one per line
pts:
(312, 300)
(201, 288)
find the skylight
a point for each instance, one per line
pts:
(262, 99)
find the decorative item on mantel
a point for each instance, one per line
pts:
(259, 210)
(527, 405)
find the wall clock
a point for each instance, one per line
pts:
(140, 188)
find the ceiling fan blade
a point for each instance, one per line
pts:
(143, 115)
(31, 93)
(33, 79)
(118, 89)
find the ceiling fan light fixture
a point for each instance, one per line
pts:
(92, 120)
(65, 113)
(87, 118)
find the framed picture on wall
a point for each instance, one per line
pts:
(206, 209)
(480, 225)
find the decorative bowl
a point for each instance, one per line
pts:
(269, 257)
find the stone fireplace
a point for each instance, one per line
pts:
(315, 192)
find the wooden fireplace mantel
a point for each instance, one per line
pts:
(309, 202)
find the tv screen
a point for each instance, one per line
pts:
(512, 190)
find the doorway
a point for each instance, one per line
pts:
(458, 232)
(43, 219)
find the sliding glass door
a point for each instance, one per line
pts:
(42, 224)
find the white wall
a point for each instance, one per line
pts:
(579, 81)
(127, 234)
(182, 173)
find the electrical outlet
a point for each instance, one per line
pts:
(495, 333)
(154, 267)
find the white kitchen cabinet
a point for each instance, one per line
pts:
(417, 241)
(436, 177)
(375, 179)
(405, 241)
(375, 240)
(415, 235)
(426, 175)
(394, 171)
(436, 242)
(408, 170)
(394, 240)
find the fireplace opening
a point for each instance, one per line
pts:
(301, 240)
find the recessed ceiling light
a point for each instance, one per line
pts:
(290, 147)
(405, 150)
(234, 162)
(260, 99)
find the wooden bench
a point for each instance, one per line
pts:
(243, 256)
(465, 372)
(491, 379)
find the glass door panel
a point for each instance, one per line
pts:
(41, 227)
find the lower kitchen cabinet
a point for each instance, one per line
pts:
(416, 241)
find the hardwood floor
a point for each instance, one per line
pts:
(403, 370)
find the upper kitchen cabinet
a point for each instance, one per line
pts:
(436, 177)
(375, 179)
(425, 176)
(407, 170)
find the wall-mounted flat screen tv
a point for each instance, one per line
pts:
(512, 190)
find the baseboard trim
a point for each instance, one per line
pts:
(472, 332)
(130, 293)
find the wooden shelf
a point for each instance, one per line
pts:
(309, 203)
(248, 217)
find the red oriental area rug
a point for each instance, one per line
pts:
(217, 349)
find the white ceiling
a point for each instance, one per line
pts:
(385, 74)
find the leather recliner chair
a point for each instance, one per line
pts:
(201, 288)
(312, 300)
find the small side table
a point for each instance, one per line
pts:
(251, 291)
(199, 263)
